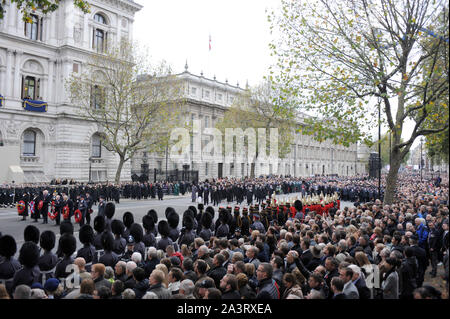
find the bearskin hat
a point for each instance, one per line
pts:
(163, 228)
(99, 224)
(168, 211)
(107, 241)
(68, 244)
(31, 233)
(66, 227)
(210, 210)
(147, 222)
(8, 246)
(29, 254)
(48, 240)
(194, 210)
(110, 209)
(298, 205)
(117, 227)
(137, 232)
(188, 222)
(128, 219)
(206, 220)
(188, 212)
(200, 206)
(86, 234)
(173, 219)
(152, 213)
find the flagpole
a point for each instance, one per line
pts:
(209, 55)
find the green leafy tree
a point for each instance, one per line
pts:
(135, 105)
(45, 6)
(344, 58)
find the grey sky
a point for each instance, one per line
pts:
(179, 30)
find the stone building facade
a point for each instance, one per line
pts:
(46, 138)
(207, 100)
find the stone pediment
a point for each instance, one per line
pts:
(33, 66)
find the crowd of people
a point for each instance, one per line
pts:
(11, 194)
(268, 250)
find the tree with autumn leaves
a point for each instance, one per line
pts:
(263, 107)
(134, 104)
(342, 59)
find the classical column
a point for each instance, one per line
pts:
(130, 29)
(68, 22)
(86, 32)
(12, 17)
(119, 26)
(53, 29)
(49, 96)
(8, 75)
(17, 78)
(44, 88)
(2, 80)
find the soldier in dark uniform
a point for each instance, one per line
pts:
(48, 260)
(163, 229)
(109, 258)
(223, 230)
(86, 236)
(89, 203)
(66, 227)
(29, 273)
(82, 206)
(109, 211)
(117, 228)
(128, 220)
(99, 226)
(149, 239)
(160, 192)
(173, 220)
(116, 194)
(206, 221)
(68, 245)
(152, 213)
(138, 234)
(26, 200)
(101, 206)
(215, 196)
(8, 265)
(187, 234)
(249, 195)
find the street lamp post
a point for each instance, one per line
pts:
(90, 169)
(167, 155)
(390, 151)
(379, 150)
(421, 159)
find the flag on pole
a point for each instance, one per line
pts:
(210, 42)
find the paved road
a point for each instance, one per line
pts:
(11, 223)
